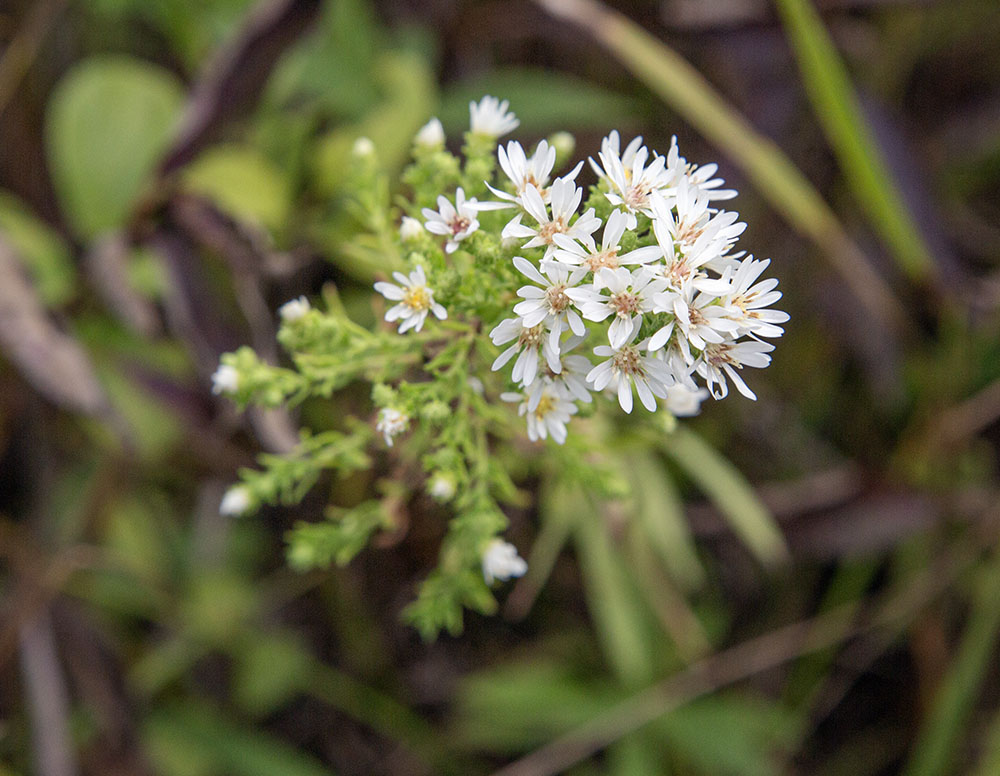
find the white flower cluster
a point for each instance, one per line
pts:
(703, 310)
(678, 307)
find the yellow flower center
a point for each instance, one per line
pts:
(417, 298)
(545, 405)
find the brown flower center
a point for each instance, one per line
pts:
(625, 304)
(530, 337)
(627, 361)
(555, 297)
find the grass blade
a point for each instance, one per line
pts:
(953, 705)
(730, 492)
(839, 114)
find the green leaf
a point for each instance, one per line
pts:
(660, 516)
(243, 183)
(194, 738)
(270, 669)
(41, 249)
(541, 99)
(728, 734)
(515, 707)
(108, 122)
(622, 622)
(731, 493)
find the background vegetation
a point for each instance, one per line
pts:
(171, 172)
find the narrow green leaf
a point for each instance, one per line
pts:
(192, 734)
(829, 87)
(543, 100)
(729, 491)
(948, 719)
(622, 623)
(108, 121)
(660, 515)
(41, 249)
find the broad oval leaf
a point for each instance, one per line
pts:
(108, 122)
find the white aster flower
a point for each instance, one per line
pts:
(529, 341)
(501, 561)
(523, 171)
(410, 229)
(430, 135)
(294, 309)
(717, 362)
(456, 221)
(628, 296)
(631, 180)
(700, 320)
(491, 117)
(391, 422)
(690, 241)
(696, 230)
(441, 487)
(415, 299)
(685, 402)
(630, 364)
(747, 300)
(235, 501)
(699, 177)
(565, 197)
(547, 302)
(363, 147)
(583, 251)
(225, 379)
(547, 408)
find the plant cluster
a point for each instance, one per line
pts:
(635, 290)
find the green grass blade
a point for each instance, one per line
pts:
(730, 492)
(659, 514)
(682, 87)
(949, 716)
(837, 109)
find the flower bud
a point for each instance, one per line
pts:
(431, 135)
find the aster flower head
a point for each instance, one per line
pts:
(501, 561)
(225, 379)
(235, 501)
(719, 361)
(547, 301)
(630, 365)
(547, 408)
(523, 171)
(430, 135)
(391, 423)
(747, 300)
(415, 299)
(491, 117)
(456, 221)
(685, 402)
(621, 293)
(410, 229)
(630, 179)
(529, 343)
(699, 177)
(564, 197)
(584, 252)
(294, 309)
